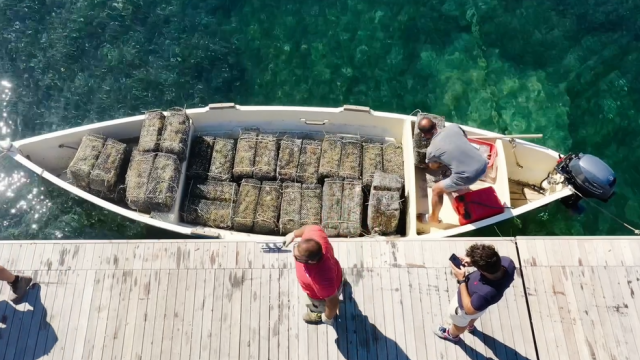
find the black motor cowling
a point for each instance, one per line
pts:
(589, 176)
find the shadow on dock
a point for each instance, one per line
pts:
(357, 337)
(25, 332)
(502, 351)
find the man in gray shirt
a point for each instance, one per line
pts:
(450, 147)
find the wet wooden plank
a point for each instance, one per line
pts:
(303, 334)
(220, 305)
(245, 314)
(5, 253)
(438, 316)
(129, 255)
(14, 257)
(92, 323)
(83, 293)
(236, 281)
(424, 290)
(152, 315)
(214, 256)
(367, 307)
(413, 282)
(626, 294)
(159, 318)
(585, 298)
(283, 314)
(274, 288)
(265, 342)
(230, 256)
(207, 312)
(180, 308)
(389, 314)
(38, 254)
(295, 315)
(138, 256)
(120, 288)
(55, 307)
(359, 305)
(612, 287)
(192, 335)
(131, 312)
(551, 321)
(520, 303)
(537, 301)
(25, 257)
(140, 329)
(409, 310)
(170, 307)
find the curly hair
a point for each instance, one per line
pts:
(485, 258)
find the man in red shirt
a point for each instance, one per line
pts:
(318, 271)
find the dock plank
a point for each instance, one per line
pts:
(220, 305)
(264, 314)
(135, 339)
(245, 314)
(207, 312)
(120, 287)
(198, 286)
(170, 306)
(82, 292)
(92, 323)
(189, 326)
(180, 307)
(295, 315)
(159, 318)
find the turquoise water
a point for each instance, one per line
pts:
(567, 69)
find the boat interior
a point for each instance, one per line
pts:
(518, 168)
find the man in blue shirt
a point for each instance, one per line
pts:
(477, 290)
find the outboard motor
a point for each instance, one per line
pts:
(588, 176)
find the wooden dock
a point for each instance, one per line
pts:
(191, 299)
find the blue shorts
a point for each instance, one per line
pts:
(449, 186)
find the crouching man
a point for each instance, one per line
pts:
(477, 290)
(318, 272)
(450, 147)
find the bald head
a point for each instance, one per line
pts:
(309, 249)
(426, 126)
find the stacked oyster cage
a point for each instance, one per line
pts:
(285, 181)
(143, 176)
(253, 182)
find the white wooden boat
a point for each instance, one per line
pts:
(522, 167)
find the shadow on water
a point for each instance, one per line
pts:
(502, 351)
(357, 337)
(24, 330)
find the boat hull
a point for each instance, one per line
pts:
(49, 155)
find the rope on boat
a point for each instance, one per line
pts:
(635, 231)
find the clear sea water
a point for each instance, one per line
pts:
(567, 69)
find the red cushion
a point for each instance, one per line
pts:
(477, 205)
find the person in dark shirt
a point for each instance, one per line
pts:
(477, 290)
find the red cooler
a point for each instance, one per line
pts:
(477, 205)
